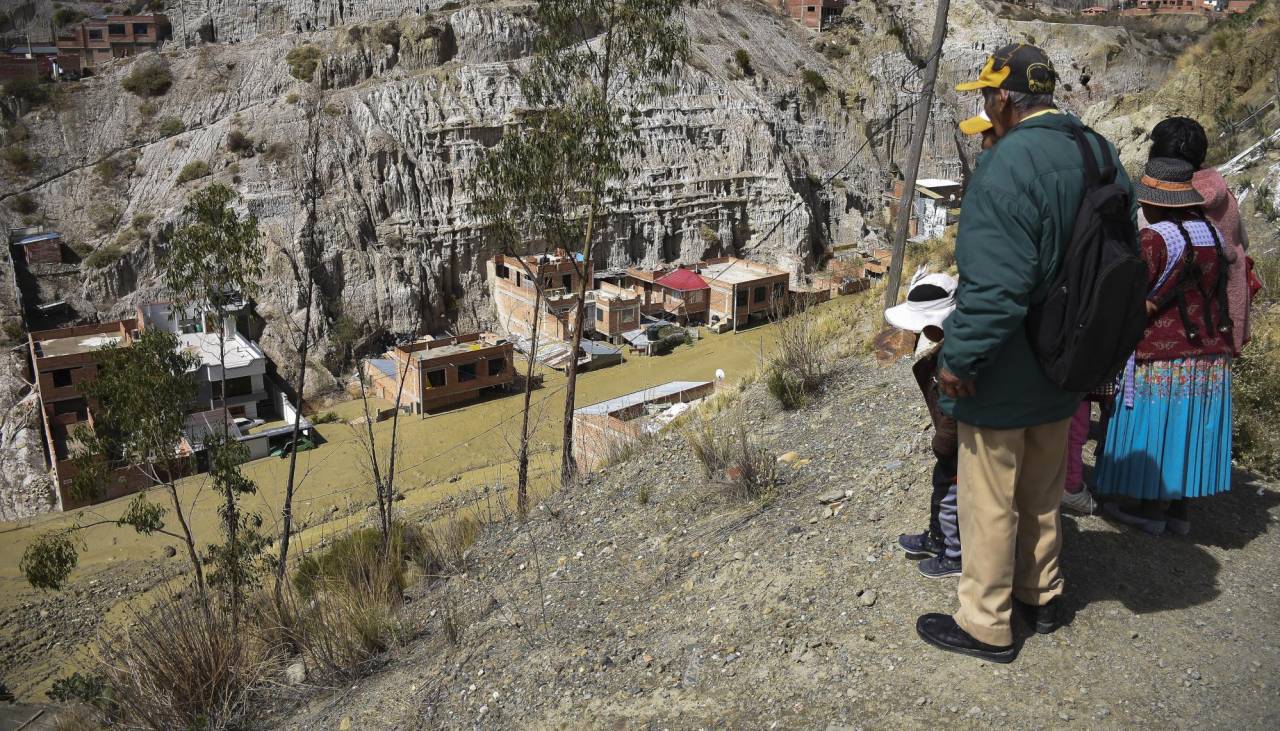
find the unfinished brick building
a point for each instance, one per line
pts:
(62, 360)
(814, 14)
(513, 281)
(615, 310)
(442, 372)
(98, 40)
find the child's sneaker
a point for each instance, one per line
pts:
(939, 567)
(920, 545)
(1080, 502)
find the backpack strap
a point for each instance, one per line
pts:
(1092, 178)
(1108, 173)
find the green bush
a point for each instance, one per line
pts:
(23, 204)
(170, 126)
(103, 216)
(787, 388)
(835, 51)
(19, 159)
(352, 559)
(104, 256)
(743, 59)
(32, 92)
(277, 152)
(142, 222)
(193, 170)
(302, 61)
(240, 143)
(66, 16)
(815, 81)
(149, 78)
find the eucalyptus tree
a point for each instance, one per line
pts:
(594, 58)
(214, 264)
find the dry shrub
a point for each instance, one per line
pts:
(441, 551)
(180, 667)
(350, 594)
(730, 458)
(796, 370)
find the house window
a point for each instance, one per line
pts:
(497, 366)
(435, 378)
(502, 271)
(140, 29)
(466, 372)
(62, 377)
(695, 296)
(742, 298)
(759, 294)
(95, 34)
(567, 281)
(115, 29)
(235, 387)
(627, 316)
(599, 315)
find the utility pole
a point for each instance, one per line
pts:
(925, 103)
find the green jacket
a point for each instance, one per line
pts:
(1016, 219)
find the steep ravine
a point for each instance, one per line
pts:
(412, 101)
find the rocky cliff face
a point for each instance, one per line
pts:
(413, 94)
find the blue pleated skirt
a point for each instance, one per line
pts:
(1175, 441)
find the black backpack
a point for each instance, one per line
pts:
(1095, 313)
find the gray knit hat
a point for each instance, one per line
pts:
(1166, 182)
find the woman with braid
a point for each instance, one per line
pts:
(1170, 438)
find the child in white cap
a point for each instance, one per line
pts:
(930, 300)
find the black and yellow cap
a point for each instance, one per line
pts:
(1016, 67)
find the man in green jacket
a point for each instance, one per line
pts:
(1016, 221)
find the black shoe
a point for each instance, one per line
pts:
(939, 567)
(1043, 618)
(920, 545)
(941, 631)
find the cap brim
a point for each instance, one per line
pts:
(975, 125)
(975, 85)
(904, 317)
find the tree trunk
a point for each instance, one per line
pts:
(522, 460)
(231, 516)
(191, 548)
(387, 496)
(569, 465)
(373, 449)
(287, 513)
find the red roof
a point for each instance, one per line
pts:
(683, 280)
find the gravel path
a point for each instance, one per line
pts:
(688, 610)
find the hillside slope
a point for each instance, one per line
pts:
(684, 609)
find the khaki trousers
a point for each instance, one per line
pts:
(1011, 483)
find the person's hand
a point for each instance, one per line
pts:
(955, 386)
(1151, 309)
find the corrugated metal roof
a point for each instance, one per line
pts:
(683, 280)
(386, 365)
(37, 238)
(639, 397)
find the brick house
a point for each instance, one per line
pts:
(601, 430)
(99, 40)
(37, 246)
(815, 14)
(741, 289)
(441, 372)
(616, 310)
(512, 281)
(680, 294)
(62, 360)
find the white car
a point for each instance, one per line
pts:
(244, 424)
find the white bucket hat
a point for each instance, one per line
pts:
(930, 300)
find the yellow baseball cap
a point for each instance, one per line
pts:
(976, 125)
(1016, 67)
